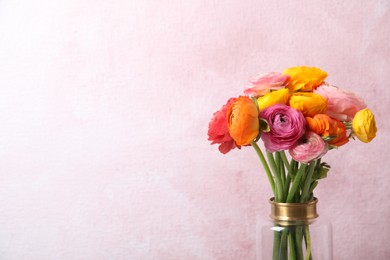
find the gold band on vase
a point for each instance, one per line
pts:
(287, 212)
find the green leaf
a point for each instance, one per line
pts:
(348, 125)
(313, 186)
(324, 164)
(322, 172)
(328, 138)
(264, 126)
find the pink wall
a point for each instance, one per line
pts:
(104, 108)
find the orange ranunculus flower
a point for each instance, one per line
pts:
(308, 103)
(304, 78)
(326, 126)
(243, 120)
(275, 97)
(364, 125)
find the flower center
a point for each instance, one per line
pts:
(281, 119)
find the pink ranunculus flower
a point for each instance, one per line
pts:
(218, 130)
(342, 105)
(263, 83)
(310, 147)
(286, 124)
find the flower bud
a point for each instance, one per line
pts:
(364, 125)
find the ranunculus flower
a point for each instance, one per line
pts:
(275, 97)
(286, 125)
(364, 125)
(304, 78)
(326, 126)
(310, 147)
(342, 105)
(263, 83)
(308, 103)
(243, 120)
(218, 130)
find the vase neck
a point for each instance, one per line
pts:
(292, 212)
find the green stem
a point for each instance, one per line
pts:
(285, 161)
(308, 243)
(306, 185)
(298, 242)
(265, 165)
(279, 186)
(286, 187)
(283, 245)
(294, 165)
(281, 169)
(296, 182)
(291, 242)
(276, 159)
(290, 175)
(276, 246)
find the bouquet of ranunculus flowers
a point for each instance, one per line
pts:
(294, 111)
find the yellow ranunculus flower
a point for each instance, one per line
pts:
(310, 104)
(275, 97)
(304, 78)
(364, 126)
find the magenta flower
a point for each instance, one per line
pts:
(311, 147)
(218, 130)
(263, 83)
(342, 105)
(286, 124)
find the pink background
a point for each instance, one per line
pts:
(104, 108)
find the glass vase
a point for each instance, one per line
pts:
(294, 232)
